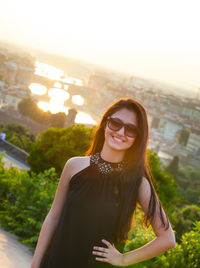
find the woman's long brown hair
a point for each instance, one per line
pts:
(136, 168)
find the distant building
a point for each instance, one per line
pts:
(12, 100)
(11, 73)
(15, 71)
(3, 63)
(24, 75)
(3, 56)
(12, 96)
(193, 144)
(168, 128)
(2, 84)
(97, 82)
(155, 122)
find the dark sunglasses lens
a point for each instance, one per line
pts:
(113, 124)
(130, 131)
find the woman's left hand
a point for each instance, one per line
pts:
(110, 254)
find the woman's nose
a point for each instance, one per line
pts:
(121, 131)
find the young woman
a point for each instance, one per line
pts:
(96, 197)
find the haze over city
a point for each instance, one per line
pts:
(152, 39)
(64, 67)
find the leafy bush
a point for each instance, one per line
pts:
(184, 219)
(18, 135)
(184, 255)
(164, 183)
(25, 201)
(139, 236)
(188, 180)
(55, 146)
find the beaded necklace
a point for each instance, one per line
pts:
(104, 166)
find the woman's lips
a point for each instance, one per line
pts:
(118, 140)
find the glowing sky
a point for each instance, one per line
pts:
(153, 38)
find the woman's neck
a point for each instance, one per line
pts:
(110, 155)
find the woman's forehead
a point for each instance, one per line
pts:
(126, 115)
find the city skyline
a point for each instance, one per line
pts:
(151, 39)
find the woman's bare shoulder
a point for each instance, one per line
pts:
(77, 163)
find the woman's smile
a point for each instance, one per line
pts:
(117, 140)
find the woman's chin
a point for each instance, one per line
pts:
(116, 145)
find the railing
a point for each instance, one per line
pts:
(13, 150)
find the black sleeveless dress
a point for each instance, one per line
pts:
(90, 214)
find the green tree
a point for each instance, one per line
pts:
(188, 180)
(57, 120)
(25, 200)
(28, 107)
(173, 166)
(55, 146)
(185, 219)
(164, 183)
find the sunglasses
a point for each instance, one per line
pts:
(116, 124)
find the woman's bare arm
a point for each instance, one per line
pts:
(51, 221)
(164, 240)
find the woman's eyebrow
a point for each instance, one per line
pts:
(130, 124)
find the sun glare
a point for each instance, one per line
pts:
(46, 70)
(74, 81)
(77, 99)
(65, 109)
(84, 118)
(52, 106)
(43, 105)
(37, 89)
(57, 85)
(56, 107)
(58, 94)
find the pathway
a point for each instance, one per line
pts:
(12, 253)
